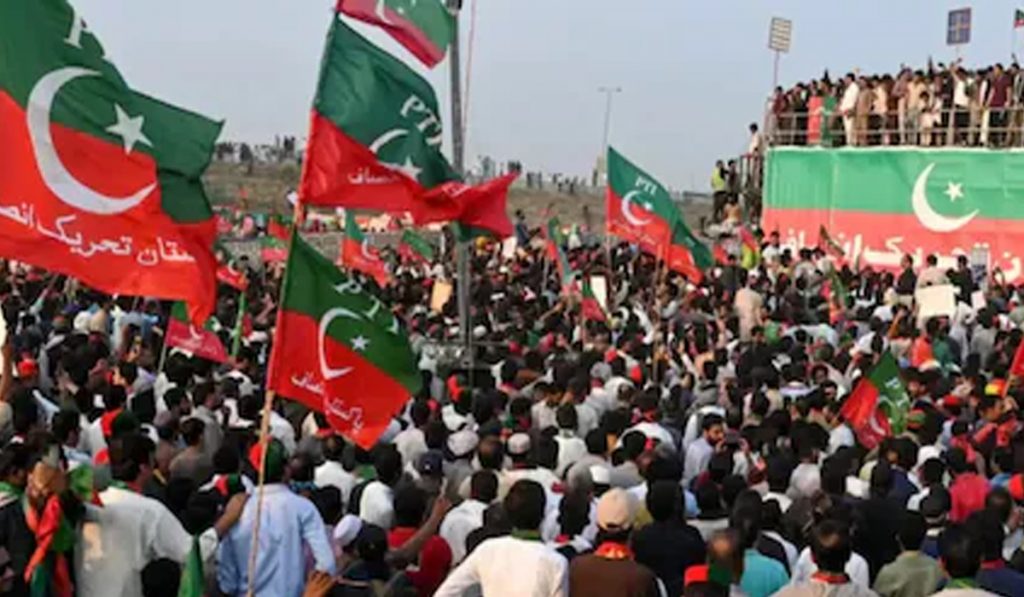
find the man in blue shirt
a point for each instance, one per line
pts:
(289, 523)
(762, 576)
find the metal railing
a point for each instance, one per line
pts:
(974, 126)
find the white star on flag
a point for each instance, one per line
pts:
(954, 190)
(409, 169)
(129, 129)
(360, 343)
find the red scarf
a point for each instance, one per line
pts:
(45, 529)
(831, 578)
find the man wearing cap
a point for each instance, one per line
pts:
(458, 466)
(516, 565)
(612, 569)
(289, 524)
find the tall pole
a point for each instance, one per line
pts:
(609, 94)
(775, 71)
(462, 265)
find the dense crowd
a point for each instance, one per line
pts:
(689, 444)
(938, 105)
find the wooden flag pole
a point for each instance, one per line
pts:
(264, 437)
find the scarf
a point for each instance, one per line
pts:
(610, 550)
(47, 572)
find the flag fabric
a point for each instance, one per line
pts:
(226, 272)
(202, 342)
(358, 255)
(829, 245)
(750, 249)
(97, 180)
(638, 208)
(414, 247)
(424, 27)
(193, 583)
(1017, 367)
(879, 404)
(279, 227)
(1018, 18)
(566, 274)
(375, 142)
(554, 238)
(686, 254)
(273, 249)
(590, 307)
(339, 350)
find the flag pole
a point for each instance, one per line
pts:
(264, 437)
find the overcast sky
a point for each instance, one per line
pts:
(694, 73)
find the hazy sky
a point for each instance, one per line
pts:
(694, 73)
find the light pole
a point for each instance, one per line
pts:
(609, 93)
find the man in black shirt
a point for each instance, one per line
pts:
(668, 546)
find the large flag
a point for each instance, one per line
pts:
(638, 208)
(202, 342)
(886, 204)
(358, 255)
(879, 404)
(98, 181)
(339, 350)
(375, 142)
(414, 247)
(424, 27)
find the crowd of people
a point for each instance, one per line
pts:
(934, 106)
(691, 443)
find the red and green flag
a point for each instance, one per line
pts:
(686, 255)
(193, 582)
(414, 247)
(566, 274)
(424, 27)
(590, 307)
(97, 180)
(750, 249)
(202, 342)
(358, 255)
(339, 350)
(638, 208)
(375, 142)
(1018, 18)
(878, 406)
(226, 271)
(279, 227)
(554, 238)
(273, 249)
(243, 325)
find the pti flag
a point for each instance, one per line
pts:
(1018, 18)
(590, 307)
(879, 404)
(202, 342)
(887, 204)
(358, 255)
(375, 141)
(98, 181)
(685, 253)
(226, 272)
(273, 249)
(424, 27)
(339, 350)
(279, 227)
(414, 247)
(639, 209)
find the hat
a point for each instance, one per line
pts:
(616, 510)
(346, 531)
(462, 443)
(430, 464)
(600, 475)
(518, 444)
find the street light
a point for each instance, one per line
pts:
(609, 93)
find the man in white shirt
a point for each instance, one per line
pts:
(469, 515)
(412, 442)
(543, 411)
(331, 473)
(847, 107)
(119, 539)
(698, 454)
(516, 565)
(570, 447)
(376, 504)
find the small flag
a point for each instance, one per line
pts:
(193, 583)
(226, 272)
(273, 250)
(243, 325)
(829, 245)
(590, 307)
(339, 350)
(279, 227)
(414, 247)
(1018, 19)
(424, 27)
(358, 255)
(750, 249)
(879, 404)
(202, 342)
